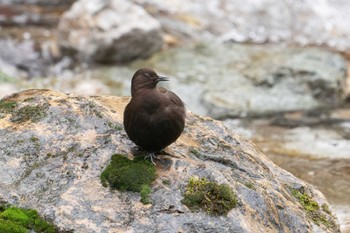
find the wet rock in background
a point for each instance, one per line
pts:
(228, 80)
(303, 22)
(33, 12)
(28, 46)
(279, 80)
(251, 80)
(109, 31)
(51, 160)
(20, 59)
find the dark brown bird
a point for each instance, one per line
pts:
(154, 117)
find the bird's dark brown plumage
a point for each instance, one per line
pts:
(154, 117)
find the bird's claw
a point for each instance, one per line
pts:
(151, 156)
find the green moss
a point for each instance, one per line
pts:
(6, 107)
(35, 141)
(17, 220)
(195, 152)
(305, 200)
(11, 227)
(313, 210)
(33, 113)
(209, 196)
(129, 175)
(118, 127)
(92, 108)
(166, 182)
(249, 185)
(325, 208)
(145, 194)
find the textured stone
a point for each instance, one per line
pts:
(109, 31)
(300, 22)
(53, 164)
(234, 80)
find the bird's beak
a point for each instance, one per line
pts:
(161, 78)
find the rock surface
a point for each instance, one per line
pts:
(230, 80)
(19, 59)
(54, 146)
(109, 31)
(302, 22)
(313, 146)
(32, 12)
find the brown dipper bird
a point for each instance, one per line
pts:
(154, 117)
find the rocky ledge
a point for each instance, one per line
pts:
(54, 147)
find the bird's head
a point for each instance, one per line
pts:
(145, 78)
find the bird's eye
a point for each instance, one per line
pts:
(147, 75)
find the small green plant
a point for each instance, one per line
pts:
(209, 196)
(17, 220)
(313, 210)
(129, 175)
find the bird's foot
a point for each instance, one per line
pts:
(151, 156)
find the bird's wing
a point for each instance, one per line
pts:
(171, 96)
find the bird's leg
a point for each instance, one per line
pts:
(151, 156)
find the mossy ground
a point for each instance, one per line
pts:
(209, 196)
(313, 209)
(130, 175)
(17, 220)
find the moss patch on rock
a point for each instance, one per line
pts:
(17, 220)
(6, 107)
(130, 175)
(145, 194)
(313, 209)
(26, 113)
(211, 197)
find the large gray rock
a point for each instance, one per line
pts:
(54, 146)
(20, 59)
(279, 80)
(302, 22)
(233, 80)
(109, 31)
